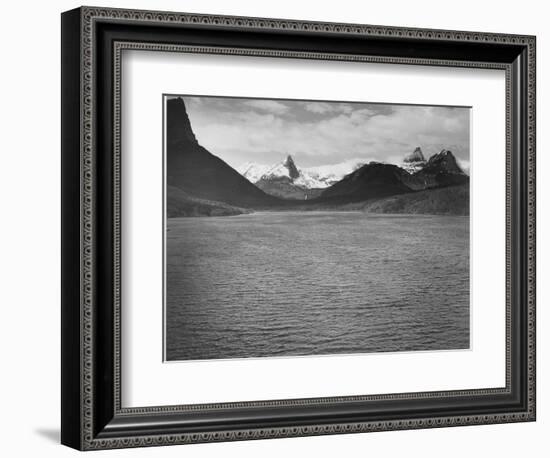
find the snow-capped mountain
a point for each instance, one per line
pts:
(285, 179)
(307, 177)
(253, 171)
(414, 162)
(333, 173)
(287, 169)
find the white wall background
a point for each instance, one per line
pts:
(30, 240)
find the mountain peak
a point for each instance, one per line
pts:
(442, 154)
(372, 180)
(178, 126)
(446, 161)
(414, 161)
(204, 179)
(415, 156)
(317, 177)
(293, 171)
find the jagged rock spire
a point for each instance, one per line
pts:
(291, 166)
(445, 160)
(414, 161)
(415, 156)
(178, 126)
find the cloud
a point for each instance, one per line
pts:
(242, 130)
(270, 106)
(318, 107)
(326, 107)
(464, 165)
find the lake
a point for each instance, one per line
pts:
(315, 283)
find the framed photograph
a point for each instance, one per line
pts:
(276, 228)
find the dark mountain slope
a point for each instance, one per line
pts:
(179, 203)
(193, 169)
(373, 180)
(441, 170)
(377, 180)
(452, 200)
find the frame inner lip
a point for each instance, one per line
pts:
(119, 47)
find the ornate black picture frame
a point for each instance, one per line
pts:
(92, 42)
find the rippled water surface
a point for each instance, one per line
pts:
(315, 283)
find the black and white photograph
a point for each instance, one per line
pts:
(307, 227)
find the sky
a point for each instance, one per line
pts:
(316, 133)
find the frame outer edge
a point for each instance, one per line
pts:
(532, 225)
(87, 209)
(71, 325)
(86, 400)
(259, 23)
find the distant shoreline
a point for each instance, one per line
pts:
(301, 212)
(451, 200)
